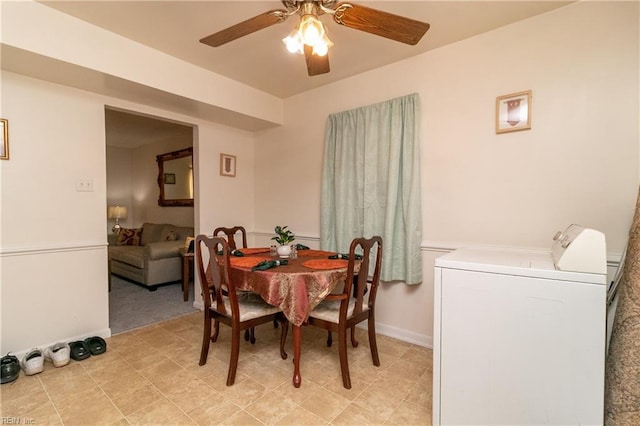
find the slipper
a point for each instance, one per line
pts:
(10, 367)
(79, 350)
(33, 362)
(96, 345)
(58, 354)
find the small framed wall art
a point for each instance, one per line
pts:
(170, 178)
(4, 143)
(513, 112)
(227, 165)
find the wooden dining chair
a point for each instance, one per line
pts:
(231, 235)
(340, 312)
(222, 304)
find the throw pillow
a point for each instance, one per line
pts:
(168, 233)
(188, 244)
(129, 237)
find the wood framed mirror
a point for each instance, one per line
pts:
(175, 178)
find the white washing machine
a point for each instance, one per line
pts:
(520, 336)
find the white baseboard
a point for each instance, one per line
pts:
(402, 335)
(104, 333)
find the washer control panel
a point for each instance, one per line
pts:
(580, 249)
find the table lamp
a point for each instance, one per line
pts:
(117, 213)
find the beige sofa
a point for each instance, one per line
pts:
(149, 255)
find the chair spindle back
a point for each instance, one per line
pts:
(214, 279)
(368, 246)
(231, 235)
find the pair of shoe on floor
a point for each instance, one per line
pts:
(83, 349)
(33, 361)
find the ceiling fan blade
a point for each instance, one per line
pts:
(244, 28)
(316, 64)
(380, 23)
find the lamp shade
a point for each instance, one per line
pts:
(116, 212)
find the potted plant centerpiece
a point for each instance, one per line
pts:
(283, 237)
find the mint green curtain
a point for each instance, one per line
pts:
(371, 184)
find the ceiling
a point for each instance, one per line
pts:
(260, 60)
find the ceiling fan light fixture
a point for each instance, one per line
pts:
(293, 41)
(311, 30)
(309, 38)
(321, 48)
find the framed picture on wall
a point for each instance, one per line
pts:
(4, 143)
(227, 165)
(513, 112)
(170, 178)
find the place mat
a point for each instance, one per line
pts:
(314, 253)
(247, 262)
(325, 263)
(254, 250)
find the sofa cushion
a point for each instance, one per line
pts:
(133, 256)
(162, 249)
(151, 232)
(129, 237)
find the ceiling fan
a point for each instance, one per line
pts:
(310, 38)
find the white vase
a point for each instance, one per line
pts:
(284, 251)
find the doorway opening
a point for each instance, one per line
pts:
(133, 143)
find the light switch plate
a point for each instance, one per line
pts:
(84, 185)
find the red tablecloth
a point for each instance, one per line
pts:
(294, 288)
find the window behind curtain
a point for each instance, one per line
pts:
(371, 184)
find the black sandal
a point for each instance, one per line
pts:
(9, 369)
(96, 345)
(79, 350)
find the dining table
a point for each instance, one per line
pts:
(295, 286)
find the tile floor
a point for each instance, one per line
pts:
(151, 376)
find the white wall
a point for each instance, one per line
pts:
(223, 200)
(578, 163)
(53, 264)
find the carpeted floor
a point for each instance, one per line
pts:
(132, 306)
